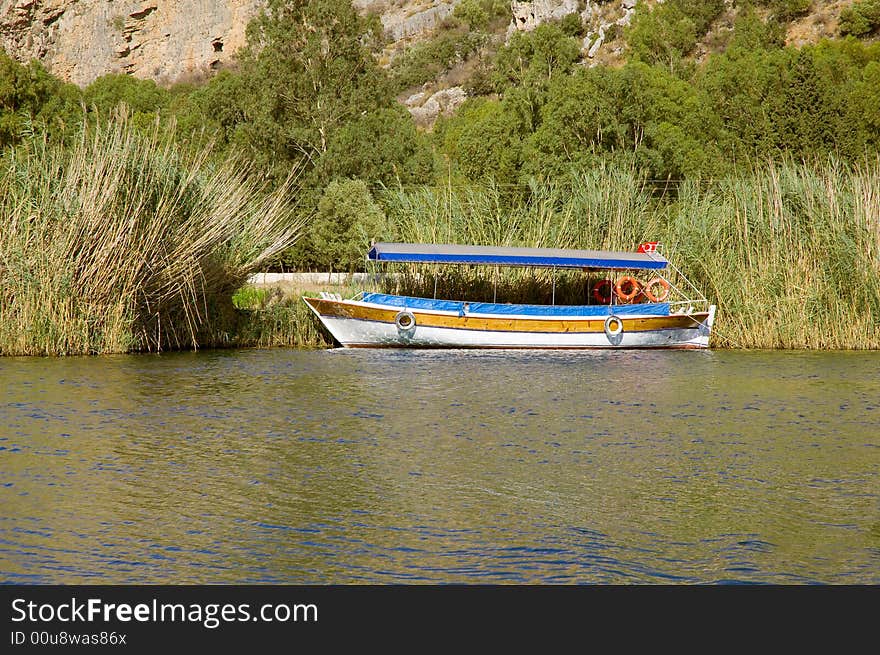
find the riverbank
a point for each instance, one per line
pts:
(119, 245)
(790, 252)
(120, 242)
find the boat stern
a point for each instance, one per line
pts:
(706, 327)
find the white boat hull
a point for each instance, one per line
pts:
(363, 325)
(368, 334)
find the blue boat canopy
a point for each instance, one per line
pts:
(424, 253)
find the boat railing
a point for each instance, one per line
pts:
(689, 306)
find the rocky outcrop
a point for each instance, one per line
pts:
(165, 40)
(411, 19)
(79, 40)
(170, 40)
(528, 15)
(426, 109)
(600, 19)
(597, 16)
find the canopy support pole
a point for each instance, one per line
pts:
(553, 299)
(435, 284)
(495, 287)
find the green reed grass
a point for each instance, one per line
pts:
(288, 322)
(789, 252)
(119, 243)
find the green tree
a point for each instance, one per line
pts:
(382, 146)
(786, 10)
(580, 122)
(531, 59)
(804, 112)
(217, 108)
(669, 31)
(860, 19)
(479, 14)
(866, 100)
(141, 96)
(524, 68)
(426, 61)
(482, 141)
(305, 73)
(671, 123)
(739, 85)
(751, 33)
(348, 221)
(33, 99)
(666, 123)
(146, 101)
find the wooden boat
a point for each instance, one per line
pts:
(632, 314)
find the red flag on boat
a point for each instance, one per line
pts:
(649, 246)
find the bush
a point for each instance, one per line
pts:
(348, 222)
(478, 14)
(861, 19)
(32, 100)
(786, 10)
(426, 61)
(120, 244)
(141, 96)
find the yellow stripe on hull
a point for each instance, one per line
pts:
(351, 310)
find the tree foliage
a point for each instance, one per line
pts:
(483, 141)
(478, 14)
(348, 221)
(665, 33)
(861, 18)
(305, 73)
(141, 96)
(426, 61)
(382, 146)
(32, 100)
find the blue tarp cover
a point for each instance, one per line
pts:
(540, 257)
(408, 302)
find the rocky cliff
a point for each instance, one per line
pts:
(170, 40)
(79, 40)
(165, 40)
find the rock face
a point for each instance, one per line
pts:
(528, 15)
(164, 40)
(599, 18)
(444, 102)
(410, 18)
(170, 40)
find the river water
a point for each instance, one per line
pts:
(338, 466)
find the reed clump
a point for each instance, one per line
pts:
(120, 243)
(272, 317)
(605, 208)
(790, 252)
(289, 323)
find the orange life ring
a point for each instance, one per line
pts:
(602, 291)
(627, 282)
(662, 295)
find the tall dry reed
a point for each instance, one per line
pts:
(789, 252)
(120, 243)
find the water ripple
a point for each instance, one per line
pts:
(441, 466)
